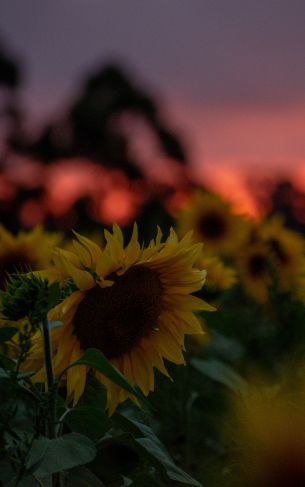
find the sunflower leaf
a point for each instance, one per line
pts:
(7, 363)
(158, 455)
(82, 477)
(7, 333)
(220, 372)
(149, 446)
(143, 479)
(97, 360)
(54, 294)
(91, 421)
(48, 456)
(126, 482)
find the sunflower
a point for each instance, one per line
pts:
(26, 251)
(253, 266)
(268, 429)
(286, 250)
(219, 276)
(196, 343)
(131, 303)
(213, 223)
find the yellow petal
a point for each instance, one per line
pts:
(83, 279)
(94, 250)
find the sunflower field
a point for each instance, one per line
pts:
(152, 289)
(172, 360)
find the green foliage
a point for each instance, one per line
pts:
(176, 436)
(149, 446)
(7, 333)
(27, 295)
(81, 477)
(88, 420)
(47, 456)
(220, 372)
(85, 435)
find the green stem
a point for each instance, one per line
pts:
(47, 353)
(45, 330)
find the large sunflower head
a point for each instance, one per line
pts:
(253, 266)
(269, 437)
(25, 251)
(213, 223)
(131, 303)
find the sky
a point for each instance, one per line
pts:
(229, 74)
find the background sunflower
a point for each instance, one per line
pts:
(254, 270)
(213, 223)
(25, 251)
(287, 250)
(268, 436)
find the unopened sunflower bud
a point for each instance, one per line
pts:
(28, 296)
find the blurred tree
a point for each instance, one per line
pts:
(92, 126)
(9, 70)
(10, 112)
(104, 124)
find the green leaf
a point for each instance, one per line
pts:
(142, 480)
(7, 363)
(148, 480)
(54, 294)
(95, 393)
(220, 372)
(7, 333)
(91, 421)
(133, 426)
(82, 477)
(159, 456)
(126, 482)
(227, 348)
(149, 446)
(48, 456)
(7, 473)
(97, 360)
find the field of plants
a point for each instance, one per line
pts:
(152, 362)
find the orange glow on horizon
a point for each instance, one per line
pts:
(67, 181)
(118, 205)
(112, 197)
(231, 185)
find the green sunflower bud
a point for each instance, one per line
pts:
(27, 295)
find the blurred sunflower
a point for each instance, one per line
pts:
(26, 251)
(132, 303)
(213, 223)
(269, 437)
(196, 343)
(253, 266)
(219, 276)
(286, 250)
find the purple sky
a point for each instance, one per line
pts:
(230, 73)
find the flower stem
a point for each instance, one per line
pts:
(47, 353)
(45, 330)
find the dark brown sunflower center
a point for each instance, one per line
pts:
(258, 265)
(13, 262)
(212, 226)
(278, 250)
(114, 319)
